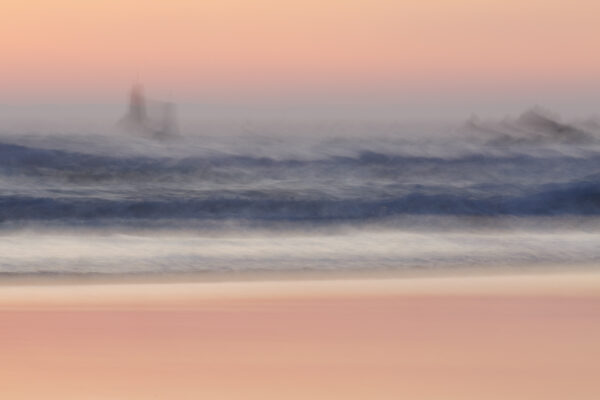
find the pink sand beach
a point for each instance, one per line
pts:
(483, 338)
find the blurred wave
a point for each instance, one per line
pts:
(552, 169)
(296, 196)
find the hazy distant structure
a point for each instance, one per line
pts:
(149, 118)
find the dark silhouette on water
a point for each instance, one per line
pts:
(151, 119)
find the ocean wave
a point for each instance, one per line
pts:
(581, 198)
(522, 191)
(23, 160)
(535, 126)
(535, 164)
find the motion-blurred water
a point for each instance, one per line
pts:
(281, 196)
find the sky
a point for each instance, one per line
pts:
(453, 55)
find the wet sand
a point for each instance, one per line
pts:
(505, 337)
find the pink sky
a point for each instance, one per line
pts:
(72, 50)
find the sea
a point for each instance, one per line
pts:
(229, 198)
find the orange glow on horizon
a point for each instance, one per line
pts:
(243, 46)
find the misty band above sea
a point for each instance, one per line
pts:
(298, 196)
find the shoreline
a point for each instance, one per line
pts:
(519, 337)
(188, 295)
(93, 279)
